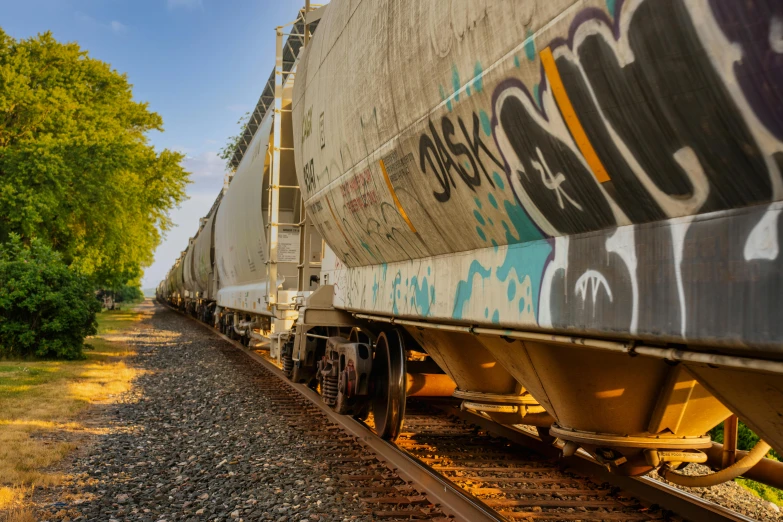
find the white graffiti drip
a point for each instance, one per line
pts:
(679, 230)
(622, 243)
(553, 182)
(594, 280)
(776, 35)
(762, 241)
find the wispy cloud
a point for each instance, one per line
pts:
(114, 26)
(187, 4)
(85, 18)
(204, 165)
(118, 27)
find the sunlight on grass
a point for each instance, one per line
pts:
(763, 491)
(40, 403)
(116, 320)
(15, 509)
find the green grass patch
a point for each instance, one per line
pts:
(763, 491)
(115, 320)
(746, 440)
(40, 402)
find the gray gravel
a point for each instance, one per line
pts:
(197, 440)
(730, 495)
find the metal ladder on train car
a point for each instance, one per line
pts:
(304, 265)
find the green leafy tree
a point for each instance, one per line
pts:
(46, 309)
(227, 152)
(746, 438)
(76, 167)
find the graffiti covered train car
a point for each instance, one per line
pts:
(570, 206)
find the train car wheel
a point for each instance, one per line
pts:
(388, 385)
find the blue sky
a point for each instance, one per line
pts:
(201, 64)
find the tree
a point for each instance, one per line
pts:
(46, 309)
(76, 168)
(227, 152)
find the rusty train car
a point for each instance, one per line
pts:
(564, 213)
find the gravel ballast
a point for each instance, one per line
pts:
(200, 438)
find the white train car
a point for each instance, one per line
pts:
(562, 212)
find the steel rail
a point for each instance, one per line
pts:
(686, 505)
(455, 501)
(450, 498)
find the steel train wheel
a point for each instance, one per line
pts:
(388, 380)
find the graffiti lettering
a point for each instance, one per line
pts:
(307, 124)
(553, 182)
(476, 146)
(462, 17)
(316, 207)
(674, 148)
(360, 183)
(397, 169)
(689, 135)
(431, 145)
(309, 176)
(321, 130)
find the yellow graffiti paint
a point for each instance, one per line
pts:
(394, 197)
(569, 115)
(337, 222)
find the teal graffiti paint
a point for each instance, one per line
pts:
(492, 200)
(455, 81)
(478, 202)
(375, 287)
(478, 73)
(610, 5)
(465, 288)
(512, 290)
(530, 46)
(421, 296)
(495, 317)
(498, 180)
(481, 233)
(495, 245)
(367, 248)
(486, 126)
(395, 292)
(479, 217)
(516, 61)
(524, 227)
(526, 259)
(486, 312)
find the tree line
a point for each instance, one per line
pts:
(80, 186)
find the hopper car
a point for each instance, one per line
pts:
(564, 213)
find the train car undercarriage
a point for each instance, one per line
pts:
(636, 410)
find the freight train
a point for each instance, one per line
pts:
(564, 213)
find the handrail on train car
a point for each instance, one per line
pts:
(628, 347)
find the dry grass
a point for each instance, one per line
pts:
(15, 509)
(40, 403)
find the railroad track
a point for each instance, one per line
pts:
(453, 465)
